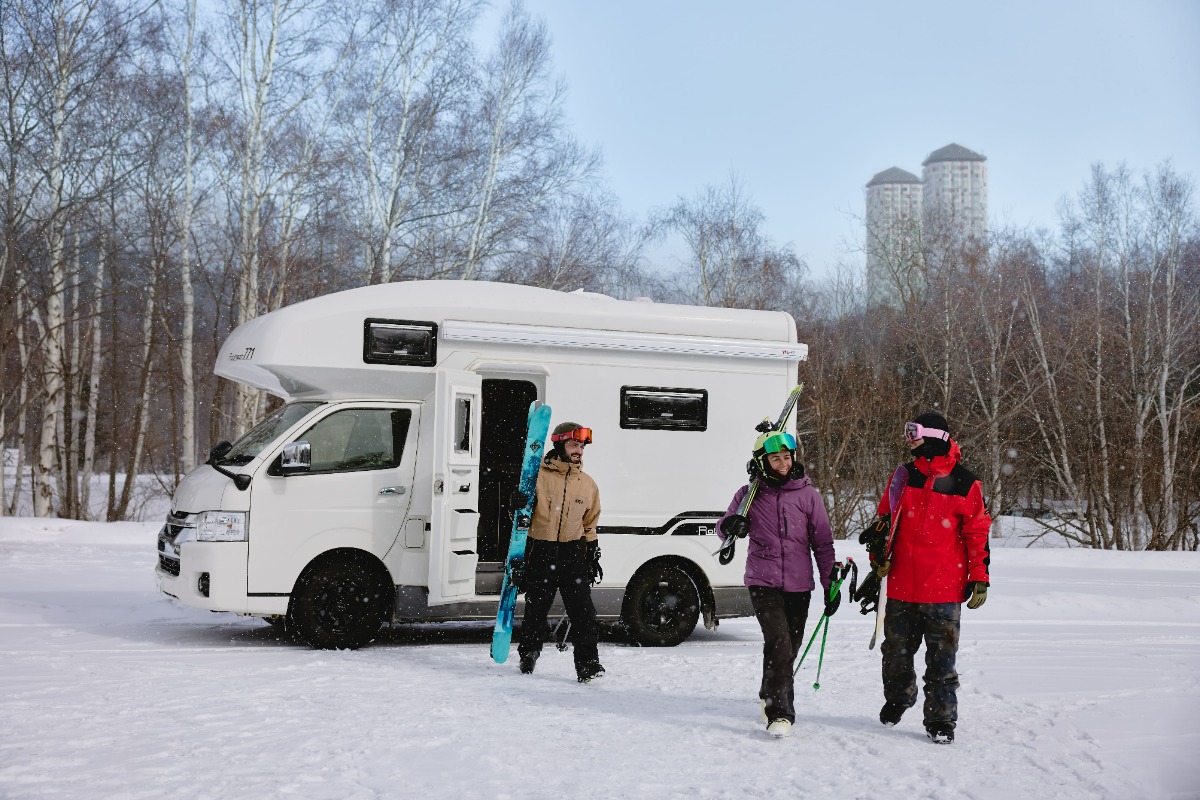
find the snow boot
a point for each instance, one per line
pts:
(589, 671)
(940, 732)
(891, 713)
(528, 662)
(762, 709)
(779, 728)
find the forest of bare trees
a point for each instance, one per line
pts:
(171, 170)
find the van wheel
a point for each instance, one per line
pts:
(661, 606)
(337, 605)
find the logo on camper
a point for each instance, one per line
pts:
(246, 355)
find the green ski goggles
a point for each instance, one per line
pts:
(780, 440)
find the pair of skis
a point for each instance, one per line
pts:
(729, 545)
(537, 427)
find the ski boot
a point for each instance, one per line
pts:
(891, 712)
(589, 671)
(940, 732)
(779, 728)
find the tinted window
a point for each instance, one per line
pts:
(653, 408)
(400, 342)
(358, 439)
(267, 431)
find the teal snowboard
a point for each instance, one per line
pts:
(535, 444)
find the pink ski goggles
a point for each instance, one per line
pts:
(914, 431)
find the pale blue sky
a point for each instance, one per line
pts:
(805, 101)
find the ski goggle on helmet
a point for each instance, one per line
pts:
(774, 442)
(578, 434)
(914, 431)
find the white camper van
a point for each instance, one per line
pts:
(380, 490)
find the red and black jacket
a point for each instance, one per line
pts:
(941, 537)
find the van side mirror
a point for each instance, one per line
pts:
(296, 457)
(219, 451)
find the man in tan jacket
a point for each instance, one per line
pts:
(562, 553)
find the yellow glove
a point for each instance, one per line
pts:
(883, 568)
(976, 594)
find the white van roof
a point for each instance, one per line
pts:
(282, 351)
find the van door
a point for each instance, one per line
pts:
(356, 492)
(454, 519)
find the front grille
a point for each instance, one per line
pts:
(178, 523)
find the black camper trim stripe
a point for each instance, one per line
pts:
(697, 516)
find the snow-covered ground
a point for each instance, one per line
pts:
(1080, 679)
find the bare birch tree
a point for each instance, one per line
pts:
(275, 66)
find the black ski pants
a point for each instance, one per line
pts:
(781, 615)
(553, 567)
(904, 627)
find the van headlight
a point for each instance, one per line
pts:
(221, 526)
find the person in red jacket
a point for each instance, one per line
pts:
(938, 559)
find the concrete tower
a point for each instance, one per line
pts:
(956, 191)
(894, 211)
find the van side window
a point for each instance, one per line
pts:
(462, 424)
(662, 409)
(398, 341)
(358, 439)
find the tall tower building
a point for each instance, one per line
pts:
(956, 190)
(894, 210)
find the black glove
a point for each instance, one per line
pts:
(831, 605)
(516, 574)
(868, 593)
(874, 537)
(735, 525)
(596, 572)
(976, 594)
(517, 499)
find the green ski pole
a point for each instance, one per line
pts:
(823, 625)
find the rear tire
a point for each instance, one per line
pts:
(338, 604)
(661, 606)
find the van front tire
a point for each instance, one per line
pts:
(338, 604)
(661, 606)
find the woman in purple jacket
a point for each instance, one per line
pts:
(787, 528)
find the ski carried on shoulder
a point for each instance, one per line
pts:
(537, 427)
(729, 546)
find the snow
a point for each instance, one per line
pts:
(1080, 679)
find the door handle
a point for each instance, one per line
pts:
(393, 490)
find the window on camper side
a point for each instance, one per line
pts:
(462, 424)
(401, 342)
(358, 439)
(654, 408)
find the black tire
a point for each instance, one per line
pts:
(661, 606)
(338, 604)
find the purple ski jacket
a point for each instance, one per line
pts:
(788, 528)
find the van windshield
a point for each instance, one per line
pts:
(267, 431)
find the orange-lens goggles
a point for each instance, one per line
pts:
(579, 434)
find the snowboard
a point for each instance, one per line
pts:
(895, 489)
(537, 426)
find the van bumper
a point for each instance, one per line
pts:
(224, 564)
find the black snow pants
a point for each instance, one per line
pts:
(781, 615)
(564, 567)
(904, 626)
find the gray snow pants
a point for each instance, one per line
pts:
(904, 626)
